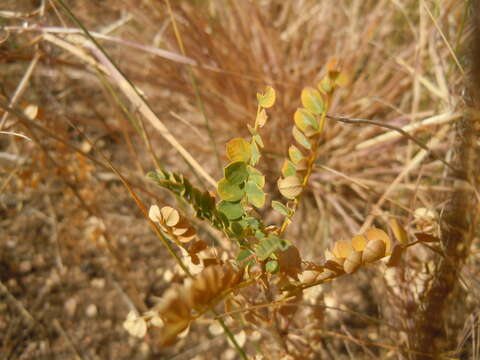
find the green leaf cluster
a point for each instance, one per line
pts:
(242, 184)
(202, 202)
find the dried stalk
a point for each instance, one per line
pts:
(459, 218)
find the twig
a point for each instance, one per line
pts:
(15, 134)
(21, 87)
(397, 129)
(133, 94)
(392, 135)
(449, 47)
(21, 309)
(61, 331)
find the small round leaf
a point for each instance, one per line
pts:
(378, 234)
(236, 172)
(255, 195)
(239, 149)
(312, 100)
(300, 138)
(359, 242)
(290, 187)
(342, 249)
(271, 266)
(282, 209)
(232, 210)
(288, 169)
(228, 191)
(170, 216)
(304, 119)
(267, 99)
(295, 154)
(256, 176)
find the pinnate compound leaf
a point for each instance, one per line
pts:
(312, 100)
(228, 191)
(301, 138)
(239, 149)
(255, 195)
(267, 99)
(282, 209)
(290, 187)
(232, 210)
(295, 154)
(236, 172)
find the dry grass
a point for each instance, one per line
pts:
(75, 252)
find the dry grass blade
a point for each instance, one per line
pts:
(418, 158)
(138, 102)
(21, 87)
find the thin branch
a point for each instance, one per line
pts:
(399, 130)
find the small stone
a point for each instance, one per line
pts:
(25, 266)
(229, 354)
(91, 311)
(98, 283)
(71, 306)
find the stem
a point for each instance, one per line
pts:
(311, 160)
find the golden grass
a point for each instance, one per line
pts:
(405, 68)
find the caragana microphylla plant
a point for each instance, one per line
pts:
(265, 264)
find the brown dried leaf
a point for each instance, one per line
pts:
(188, 236)
(396, 255)
(335, 265)
(423, 237)
(290, 262)
(197, 246)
